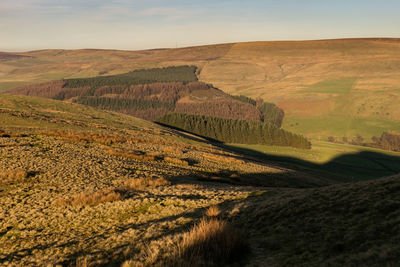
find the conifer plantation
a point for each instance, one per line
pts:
(235, 131)
(174, 96)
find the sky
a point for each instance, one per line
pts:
(146, 24)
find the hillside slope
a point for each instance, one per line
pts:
(78, 184)
(352, 225)
(327, 88)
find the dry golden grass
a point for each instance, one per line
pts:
(101, 138)
(176, 161)
(213, 212)
(210, 242)
(13, 176)
(222, 159)
(144, 183)
(171, 150)
(129, 154)
(92, 199)
(189, 186)
(12, 134)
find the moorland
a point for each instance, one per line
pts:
(257, 154)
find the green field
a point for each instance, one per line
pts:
(344, 161)
(340, 86)
(319, 128)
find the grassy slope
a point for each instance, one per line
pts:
(352, 225)
(353, 83)
(39, 113)
(346, 161)
(350, 82)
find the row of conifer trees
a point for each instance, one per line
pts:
(117, 104)
(234, 131)
(169, 74)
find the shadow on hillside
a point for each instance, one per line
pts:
(365, 165)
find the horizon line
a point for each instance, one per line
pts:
(203, 45)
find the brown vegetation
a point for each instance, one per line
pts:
(213, 212)
(13, 176)
(130, 154)
(211, 242)
(222, 159)
(101, 138)
(145, 183)
(176, 161)
(47, 90)
(188, 186)
(92, 199)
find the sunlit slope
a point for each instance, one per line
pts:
(329, 87)
(334, 87)
(46, 65)
(44, 114)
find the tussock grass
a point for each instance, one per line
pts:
(144, 183)
(213, 212)
(176, 161)
(101, 138)
(13, 176)
(222, 159)
(189, 186)
(130, 154)
(171, 150)
(92, 199)
(212, 242)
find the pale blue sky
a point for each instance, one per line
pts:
(132, 25)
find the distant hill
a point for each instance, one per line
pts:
(340, 88)
(153, 93)
(148, 94)
(10, 56)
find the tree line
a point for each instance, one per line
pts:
(169, 74)
(117, 104)
(387, 141)
(234, 131)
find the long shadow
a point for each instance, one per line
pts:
(365, 165)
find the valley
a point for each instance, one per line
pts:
(242, 154)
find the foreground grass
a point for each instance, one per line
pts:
(352, 225)
(210, 242)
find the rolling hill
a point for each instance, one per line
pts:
(84, 187)
(165, 94)
(327, 88)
